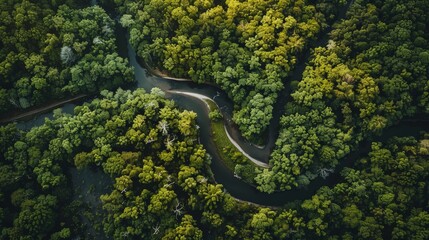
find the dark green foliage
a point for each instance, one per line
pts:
(245, 47)
(50, 51)
(371, 74)
(141, 140)
(160, 190)
(33, 186)
(381, 200)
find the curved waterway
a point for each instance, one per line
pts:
(177, 90)
(184, 92)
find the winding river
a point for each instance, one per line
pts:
(222, 174)
(184, 94)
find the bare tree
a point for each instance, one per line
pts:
(169, 183)
(155, 230)
(178, 209)
(324, 172)
(67, 55)
(124, 191)
(169, 142)
(163, 125)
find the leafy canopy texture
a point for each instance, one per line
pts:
(371, 74)
(50, 51)
(160, 187)
(245, 47)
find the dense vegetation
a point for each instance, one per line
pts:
(161, 189)
(48, 51)
(373, 73)
(246, 47)
(383, 197)
(139, 139)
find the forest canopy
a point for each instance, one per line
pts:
(371, 74)
(128, 164)
(48, 51)
(247, 48)
(161, 187)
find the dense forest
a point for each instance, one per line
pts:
(130, 164)
(49, 50)
(247, 48)
(373, 73)
(162, 186)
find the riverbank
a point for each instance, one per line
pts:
(158, 73)
(231, 126)
(225, 144)
(28, 113)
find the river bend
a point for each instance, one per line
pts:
(187, 95)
